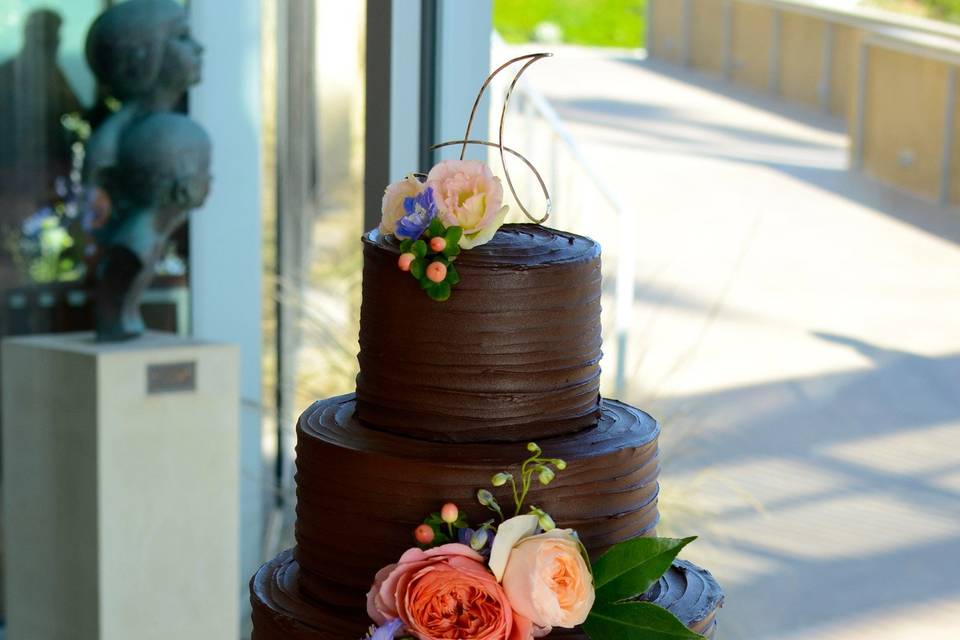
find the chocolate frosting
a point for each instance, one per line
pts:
(512, 356)
(448, 395)
(692, 593)
(282, 611)
(373, 488)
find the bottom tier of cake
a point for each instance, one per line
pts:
(281, 611)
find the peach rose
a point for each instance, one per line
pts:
(445, 592)
(393, 197)
(548, 580)
(469, 196)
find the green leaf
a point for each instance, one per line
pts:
(418, 268)
(426, 283)
(630, 568)
(439, 292)
(435, 228)
(419, 248)
(405, 246)
(453, 276)
(452, 237)
(635, 621)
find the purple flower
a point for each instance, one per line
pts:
(33, 225)
(421, 210)
(386, 632)
(475, 538)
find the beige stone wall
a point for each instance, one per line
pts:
(752, 42)
(706, 35)
(667, 28)
(955, 160)
(843, 72)
(801, 57)
(903, 120)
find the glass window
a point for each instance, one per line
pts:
(50, 106)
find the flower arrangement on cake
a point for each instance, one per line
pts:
(457, 205)
(520, 577)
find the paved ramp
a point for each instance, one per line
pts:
(797, 330)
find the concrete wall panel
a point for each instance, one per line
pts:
(801, 57)
(706, 34)
(955, 160)
(903, 135)
(667, 27)
(843, 70)
(752, 44)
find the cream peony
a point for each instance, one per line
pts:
(548, 581)
(469, 196)
(393, 197)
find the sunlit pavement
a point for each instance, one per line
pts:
(797, 331)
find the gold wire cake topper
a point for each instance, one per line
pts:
(457, 206)
(530, 59)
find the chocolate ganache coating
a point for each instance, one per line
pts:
(373, 488)
(282, 611)
(512, 356)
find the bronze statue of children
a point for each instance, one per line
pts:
(143, 51)
(162, 172)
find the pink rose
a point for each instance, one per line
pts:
(445, 592)
(548, 581)
(468, 195)
(393, 197)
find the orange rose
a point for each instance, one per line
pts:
(445, 592)
(548, 580)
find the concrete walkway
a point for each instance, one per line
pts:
(797, 330)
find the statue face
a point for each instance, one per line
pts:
(192, 184)
(182, 57)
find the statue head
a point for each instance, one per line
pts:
(163, 162)
(144, 46)
(42, 31)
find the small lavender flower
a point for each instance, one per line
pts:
(386, 632)
(480, 540)
(35, 223)
(421, 210)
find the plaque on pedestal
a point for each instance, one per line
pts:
(120, 488)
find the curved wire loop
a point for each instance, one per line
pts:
(530, 58)
(543, 185)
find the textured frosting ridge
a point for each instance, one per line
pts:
(692, 593)
(281, 611)
(378, 486)
(514, 355)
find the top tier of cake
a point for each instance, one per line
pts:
(513, 355)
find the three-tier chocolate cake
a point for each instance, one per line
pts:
(448, 394)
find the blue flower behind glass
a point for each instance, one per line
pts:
(386, 632)
(421, 210)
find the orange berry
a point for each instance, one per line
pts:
(437, 272)
(405, 260)
(449, 513)
(424, 534)
(438, 244)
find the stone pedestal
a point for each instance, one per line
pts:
(120, 488)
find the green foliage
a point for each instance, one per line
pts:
(630, 568)
(944, 9)
(635, 621)
(948, 10)
(600, 23)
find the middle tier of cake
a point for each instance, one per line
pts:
(361, 491)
